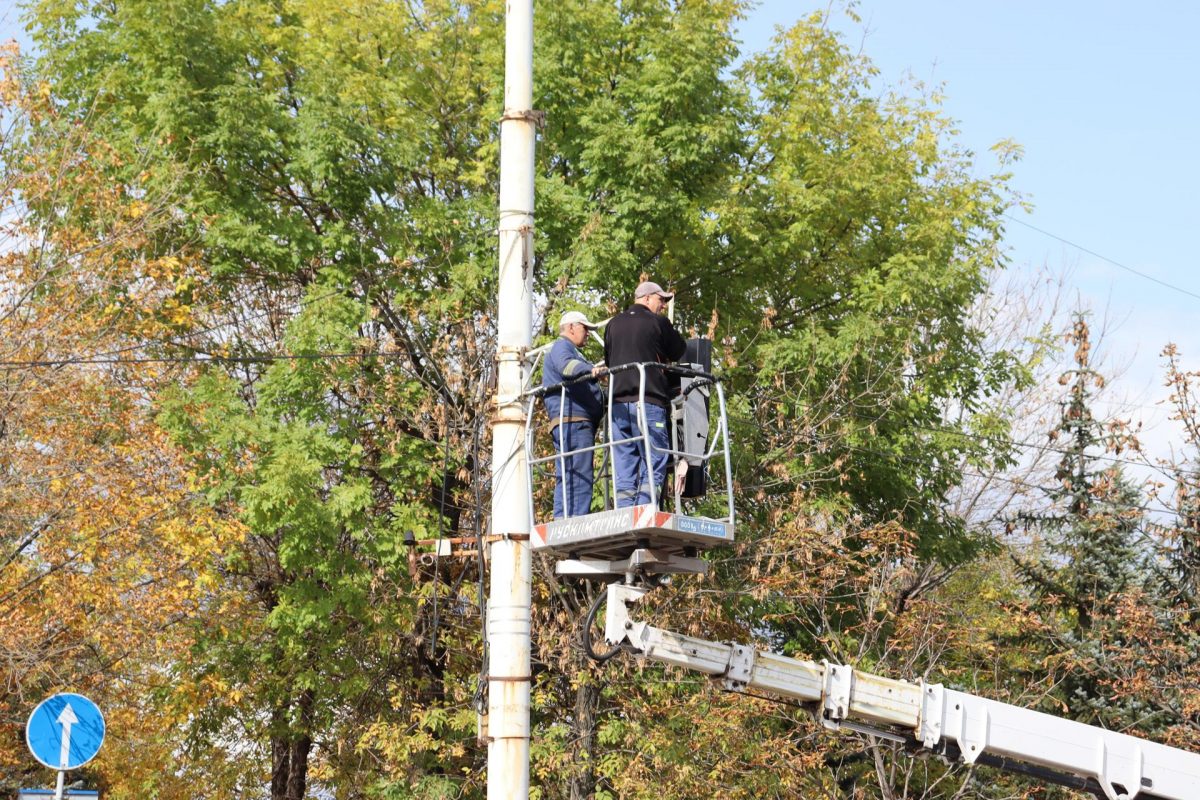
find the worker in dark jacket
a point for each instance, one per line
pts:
(575, 412)
(640, 334)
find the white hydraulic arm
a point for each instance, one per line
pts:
(925, 715)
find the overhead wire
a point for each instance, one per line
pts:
(481, 594)
(197, 359)
(174, 341)
(336, 355)
(1041, 447)
(1036, 446)
(106, 358)
(1014, 481)
(1103, 257)
(912, 460)
(1025, 444)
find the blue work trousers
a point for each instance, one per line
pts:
(575, 493)
(633, 474)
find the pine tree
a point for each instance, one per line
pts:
(1089, 544)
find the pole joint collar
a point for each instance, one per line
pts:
(506, 537)
(507, 353)
(538, 118)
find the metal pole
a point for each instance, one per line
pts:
(509, 596)
(58, 789)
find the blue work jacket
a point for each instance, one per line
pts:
(584, 400)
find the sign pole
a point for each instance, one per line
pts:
(66, 719)
(508, 614)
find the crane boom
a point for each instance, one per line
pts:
(950, 723)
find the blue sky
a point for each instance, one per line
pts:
(1102, 95)
(1105, 99)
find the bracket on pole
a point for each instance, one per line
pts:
(509, 352)
(526, 250)
(538, 118)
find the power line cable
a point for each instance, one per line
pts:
(1013, 481)
(197, 359)
(1103, 257)
(1045, 448)
(177, 341)
(480, 699)
(1038, 446)
(322, 356)
(437, 553)
(1004, 479)
(912, 460)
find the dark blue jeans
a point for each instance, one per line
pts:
(576, 467)
(633, 475)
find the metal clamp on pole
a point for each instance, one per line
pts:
(511, 407)
(538, 118)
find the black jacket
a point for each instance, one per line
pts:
(638, 334)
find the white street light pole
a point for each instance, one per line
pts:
(509, 593)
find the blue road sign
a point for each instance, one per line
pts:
(65, 731)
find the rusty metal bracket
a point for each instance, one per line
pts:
(526, 232)
(509, 352)
(512, 537)
(538, 118)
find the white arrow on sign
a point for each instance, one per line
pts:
(66, 718)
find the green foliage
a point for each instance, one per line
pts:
(1095, 517)
(643, 132)
(322, 549)
(1090, 535)
(340, 164)
(866, 239)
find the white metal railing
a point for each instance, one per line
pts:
(718, 439)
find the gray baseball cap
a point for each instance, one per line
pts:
(572, 317)
(647, 288)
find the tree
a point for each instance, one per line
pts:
(103, 552)
(1149, 641)
(1091, 531)
(339, 190)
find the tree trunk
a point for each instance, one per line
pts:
(582, 782)
(290, 749)
(280, 755)
(298, 768)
